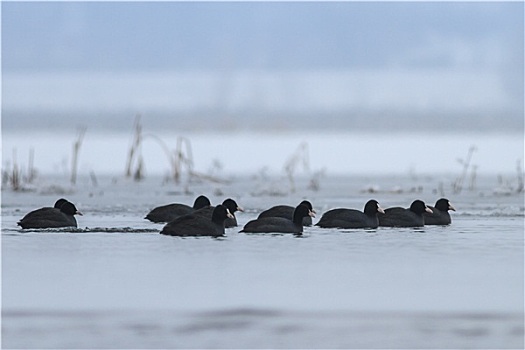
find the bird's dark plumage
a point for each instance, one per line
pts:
(197, 225)
(352, 218)
(286, 211)
(170, 212)
(61, 215)
(401, 217)
(232, 207)
(440, 214)
(279, 224)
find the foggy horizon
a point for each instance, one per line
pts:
(333, 64)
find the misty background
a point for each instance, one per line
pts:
(355, 87)
(244, 66)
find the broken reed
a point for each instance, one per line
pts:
(180, 159)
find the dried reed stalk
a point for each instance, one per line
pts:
(15, 174)
(458, 184)
(76, 150)
(300, 156)
(135, 145)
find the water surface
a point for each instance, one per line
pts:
(115, 282)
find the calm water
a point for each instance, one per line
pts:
(116, 283)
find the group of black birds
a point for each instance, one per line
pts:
(203, 219)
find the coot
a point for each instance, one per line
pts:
(286, 211)
(279, 224)
(43, 212)
(61, 215)
(401, 217)
(232, 207)
(440, 214)
(197, 225)
(352, 218)
(170, 212)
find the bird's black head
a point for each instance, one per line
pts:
(443, 204)
(232, 205)
(59, 203)
(419, 207)
(372, 208)
(308, 204)
(300, 212)
(69, 209)
(201, 202)
(220, 213)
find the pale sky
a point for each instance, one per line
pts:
(240, 60)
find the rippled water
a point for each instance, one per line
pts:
(116, 283)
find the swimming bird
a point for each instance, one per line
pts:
(352, 218)
(230, 204)
(61, 215)
(279, 224)
(170, 212)
(286, 211)
(42, 211)
(401, 217)
(198, 225)
(440, 214)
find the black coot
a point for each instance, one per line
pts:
(352, 218)
(61, 215)
(401, 217)
(170, 212)
(279, 224)
(197, 225)
(43, 213)
(286, 211)
(440, 214)
(232, 207)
